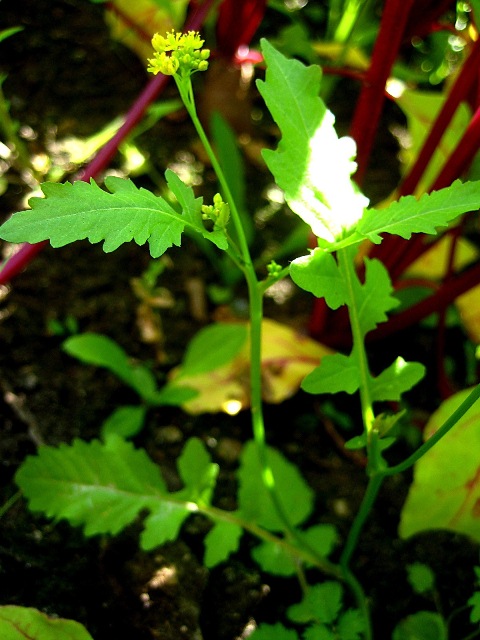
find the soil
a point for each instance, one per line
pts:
(66, 76)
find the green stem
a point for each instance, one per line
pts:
(347, 268)
(255, 291)
(438, 435)
(373, 487)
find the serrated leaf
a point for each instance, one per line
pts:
(191, 209)
(255, 503)
(25, 623)
(71, 212)
(311, 164)
(336, 373)
(398, 378)
(164, 523)
(273, 632)
(221, 541)
(425, 215)
(373, 298)
(445, 493)
(104, 486)
(321, 603)
(318, 273)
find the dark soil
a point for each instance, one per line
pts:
(67, 77)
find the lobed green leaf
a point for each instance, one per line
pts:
(425, 215)
(311, 164)
(255, 503)
(71, 212)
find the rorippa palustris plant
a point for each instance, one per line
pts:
(103, 485)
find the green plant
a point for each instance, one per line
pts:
(103, 486)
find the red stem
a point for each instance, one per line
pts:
(27, 252)
(458, 92)
(369, 106)
(445, 295)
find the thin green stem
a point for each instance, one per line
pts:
(255, 291)
(438, 435)
(373, 487)
(347, 269)
(9, 503)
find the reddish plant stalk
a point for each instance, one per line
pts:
(237, 23)
(370, 103)
(27, 252)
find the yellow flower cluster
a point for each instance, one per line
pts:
(180, 53)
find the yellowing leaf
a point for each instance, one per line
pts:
(287, 357)
(434, 262)
(445, 493)
(134, 23)
(421, 109)
(22, 623)
(468, 305)
(350, 56)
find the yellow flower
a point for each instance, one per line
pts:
(180, 53)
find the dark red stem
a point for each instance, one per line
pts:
(458, 92)
(370, 103)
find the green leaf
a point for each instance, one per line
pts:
(373, 298)
(474, 602)
(191, 209)
(336, 373)
(423, 625)
(125, 422)
(22, 623)
(71, 212)
(321, 603)
(351, 625)
(398, 378)
(421, 109)
(197, 472)
(101, 351)
(445, 493)
(273, 632)
(100, 486)
(104, 487)
(432, 211)
(171, 395)
(230, 159)
(319, 274)
(420, 577)
(322, 537)
(318, 632)
(221, 541)
(311, 164)
(213, 346)
(274, 559)
(255, 503)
